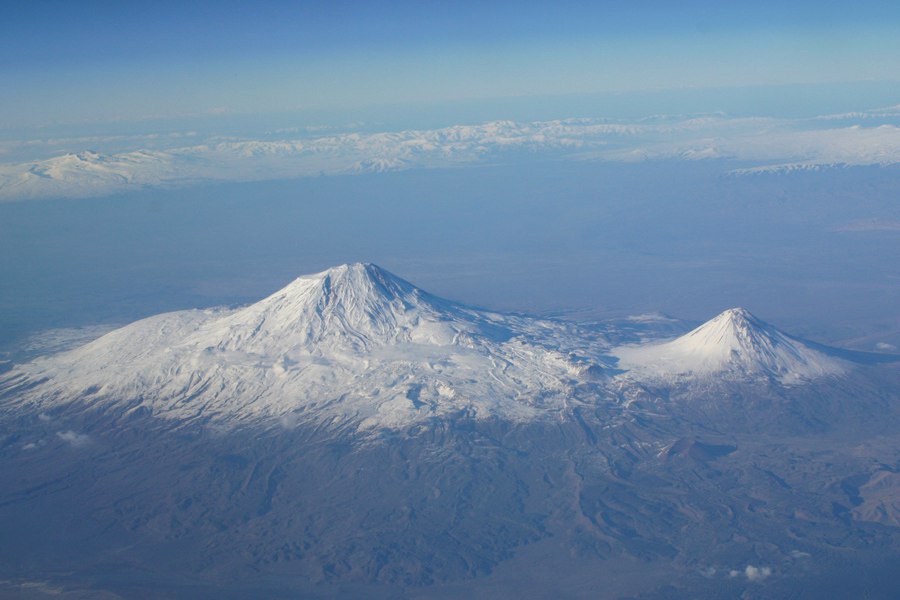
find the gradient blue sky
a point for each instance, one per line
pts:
(68, 62)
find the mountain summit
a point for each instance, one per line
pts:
(734, 343)
(354, 307)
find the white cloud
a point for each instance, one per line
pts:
(757, 573)
(74, 438)
(752, 573)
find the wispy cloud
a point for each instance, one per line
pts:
(870, 225)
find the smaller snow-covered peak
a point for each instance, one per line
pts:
(734, 343)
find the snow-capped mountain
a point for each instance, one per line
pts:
(351, 344)
(352, 435)
(355, 345)
(735, 344)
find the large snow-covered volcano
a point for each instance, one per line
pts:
(351, 344)
(733, 344)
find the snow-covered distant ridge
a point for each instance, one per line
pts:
(88, 173)
(765, 143)
(734, 344)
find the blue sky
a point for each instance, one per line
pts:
(67, 62)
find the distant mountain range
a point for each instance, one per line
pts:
(760, 144)
(353, 434)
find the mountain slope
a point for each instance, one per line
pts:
(351, 344)
(734, 344)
